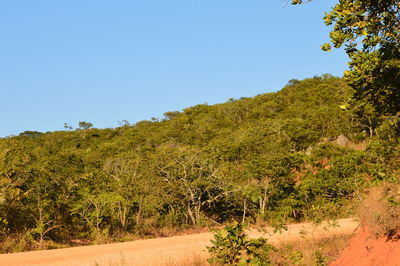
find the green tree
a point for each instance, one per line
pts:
(85, 125)
(94, 208)
(370, 32)
(193, 180)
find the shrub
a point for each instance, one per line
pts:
(232, 247)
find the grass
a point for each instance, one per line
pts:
(307, 251)
(310, 251)
(194, 260)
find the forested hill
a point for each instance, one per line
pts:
(269, 157)
(300, 115)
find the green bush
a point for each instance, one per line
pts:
(232, 247)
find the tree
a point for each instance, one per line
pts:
(94, 207)
(193, 180)
(67, 126)
(370, 32)
(42, 209)
(132, 180)
(85, 125)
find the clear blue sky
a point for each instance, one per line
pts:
(104, 61)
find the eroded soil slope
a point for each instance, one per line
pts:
(365, 249)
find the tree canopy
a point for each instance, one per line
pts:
(369, 30)
(270, 157)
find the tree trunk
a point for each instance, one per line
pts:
(197, 213)
(139, 213)
(263, 203)
(244, 210)
(190, 212)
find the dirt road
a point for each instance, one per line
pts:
(163, 251)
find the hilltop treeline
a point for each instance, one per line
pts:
(271, 157)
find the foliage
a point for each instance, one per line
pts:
(232, 247)
(370, 32)
(320, 259)
(85, 125)
(267, 158)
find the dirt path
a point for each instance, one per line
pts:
(171, 250)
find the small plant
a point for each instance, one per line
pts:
(320, 258)
(232, 247)
(296, 257)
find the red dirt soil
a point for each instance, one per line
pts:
(365, 249)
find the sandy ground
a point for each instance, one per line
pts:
(164, 251)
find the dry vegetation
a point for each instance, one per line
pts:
(380, 211)
(308, 251)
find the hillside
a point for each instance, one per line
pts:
(267, 158)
